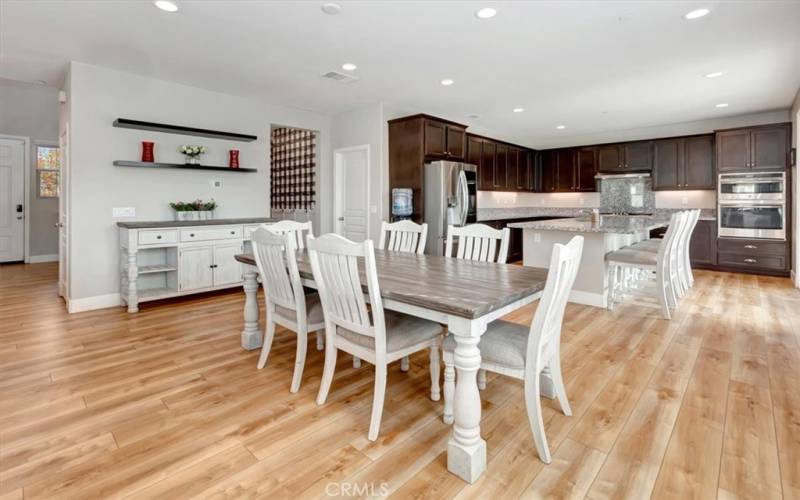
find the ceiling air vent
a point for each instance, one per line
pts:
(339, 77)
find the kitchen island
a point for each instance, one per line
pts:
(610, 233)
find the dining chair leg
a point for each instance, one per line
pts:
(266, 345)
(534, 407)
(320, 340)
(449, 386)
(327, 370)
(299, 361)
(558, 386)
(481, 379)
(662, 291)
(377, 400)
(434, 367)
(356, 362)
(612, 284)
(404, 364)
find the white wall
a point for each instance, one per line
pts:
(31, 110)
(795, 116)
(97, 96)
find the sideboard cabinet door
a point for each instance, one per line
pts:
(227, 270)
(195, 270)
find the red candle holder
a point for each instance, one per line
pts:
(147, 151)
(233, 162)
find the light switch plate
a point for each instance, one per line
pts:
(123, 212)
(684, 200)
(216, 183)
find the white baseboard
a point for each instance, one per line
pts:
(37, 259)
(588, 298)
(92, 303)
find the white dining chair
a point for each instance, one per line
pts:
(524, 352)
(477, 242)
(286, 303)
(374, 335)
(661, 265)
(403, 236)
(299, 232)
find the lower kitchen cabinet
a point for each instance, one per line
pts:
(703, 245)
(759, 256)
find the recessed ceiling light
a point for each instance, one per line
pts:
(447, 82)
(349, 67)
(715, 74)
(331, 8)
(166, 5)
(518, 110)
(561, 127)
(722, 105)
(696, 14)
(485, 13)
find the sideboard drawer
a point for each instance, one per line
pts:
(168, 237)
(248, 230)
(211, 233)
(752, 247)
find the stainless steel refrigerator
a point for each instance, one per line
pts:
(451, 196)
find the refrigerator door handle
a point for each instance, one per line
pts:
(462, 178)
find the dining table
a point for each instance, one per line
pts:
(463, 295)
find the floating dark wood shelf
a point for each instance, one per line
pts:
(145, 164)
(177, 129)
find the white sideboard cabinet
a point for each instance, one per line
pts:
(159, 260)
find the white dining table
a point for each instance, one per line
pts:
(464, 295)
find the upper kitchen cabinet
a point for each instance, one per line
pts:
(565, 170)
(625, 157)
(754, 148)
(444, 140)
(501, 181)
(683, 163)
(585, 169)
(501, 166)
(486, 169)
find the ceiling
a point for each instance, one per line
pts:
(591, 66)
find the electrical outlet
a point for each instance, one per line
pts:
(117, 212)
(581, 200)
(684, 200)
(216, 183)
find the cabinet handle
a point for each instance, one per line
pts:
(191, 235)
(752, 247)
(751, 261)
(233, 232)
(158, 237)
(212, 266)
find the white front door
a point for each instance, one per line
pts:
(12, 199)
(351, 192)
(63, 215)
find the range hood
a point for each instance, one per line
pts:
(631, 175)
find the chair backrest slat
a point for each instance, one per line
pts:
(335, 263)
(545, 334)
(404, 236)
(280, 277)
(667, 251)
(298, 230)
(478, 242)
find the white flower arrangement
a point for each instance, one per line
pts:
(192, 150)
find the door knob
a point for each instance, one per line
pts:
(340, 219)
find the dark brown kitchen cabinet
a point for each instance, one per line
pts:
(585, 169)
(684, 163)
(486, 169)
(625, 157)
(456, 142)
(515, 176)
(703, 245)
(444, 140)
(565, 170)
(547, 170)
(474, 150)
(501, 167)
(754, 148)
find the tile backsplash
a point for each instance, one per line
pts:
(630, 195)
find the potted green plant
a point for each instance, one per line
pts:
(183, 210)
(192, 153)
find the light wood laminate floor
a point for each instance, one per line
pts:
(165, 404)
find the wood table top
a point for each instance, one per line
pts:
(459, 287)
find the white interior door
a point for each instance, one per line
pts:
(351, 192)
(12, 200)
(63, 216)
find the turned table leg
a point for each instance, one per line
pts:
(251, 335)
(133, 275)
(466, 450)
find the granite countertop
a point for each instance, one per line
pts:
(192, 223)
(617, 224)
(510, 213)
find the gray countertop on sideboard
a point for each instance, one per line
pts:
(616, 224)
(192, 223)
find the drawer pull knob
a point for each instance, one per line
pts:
(751, 246)
(750, 261)
(233, 232)
(191, 235)
(158, 237)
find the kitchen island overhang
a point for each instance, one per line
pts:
(610, 233)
